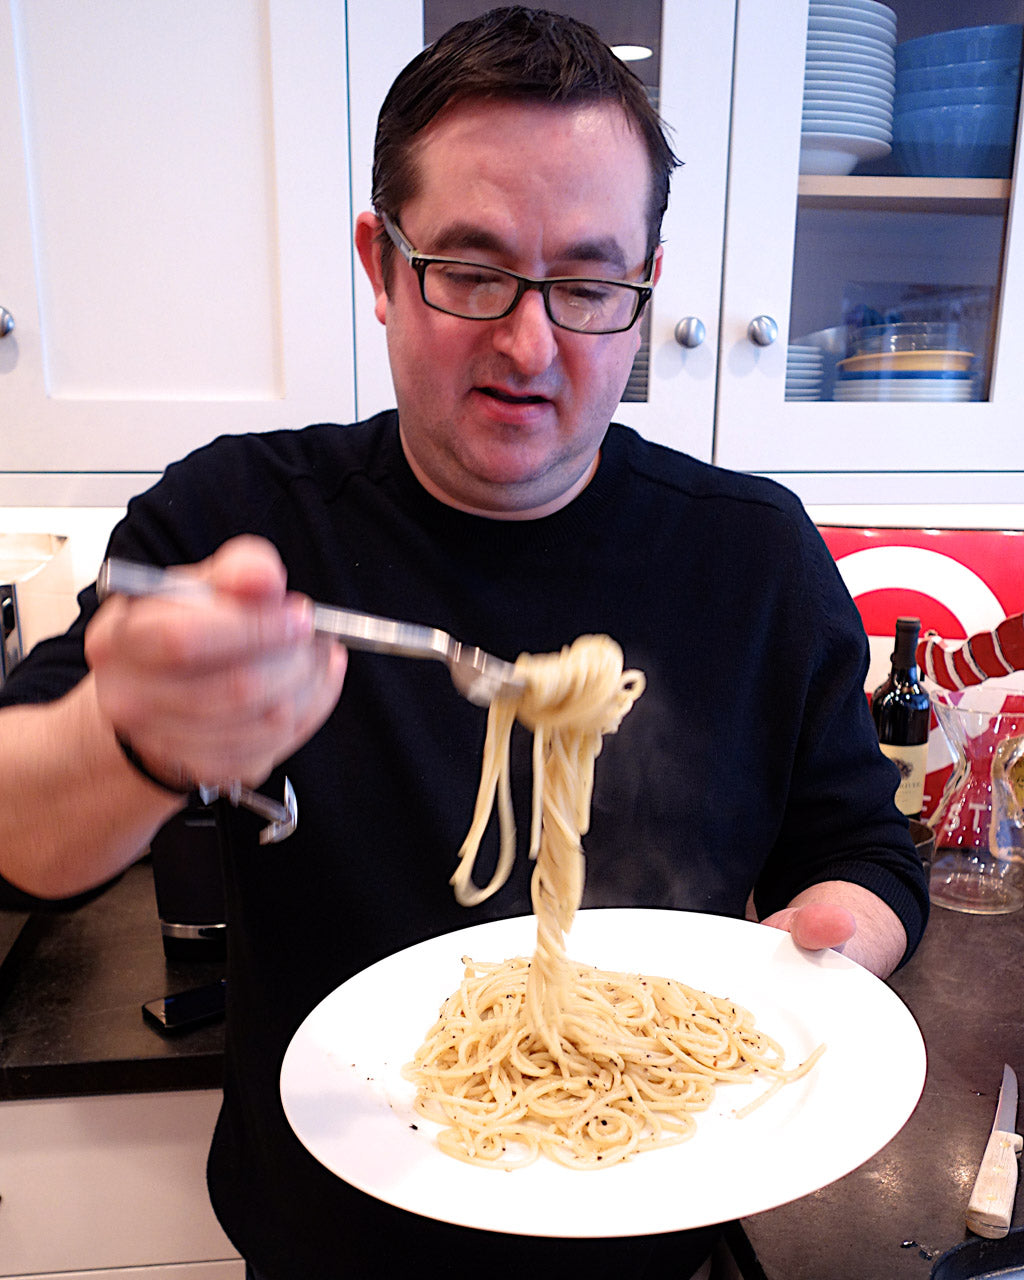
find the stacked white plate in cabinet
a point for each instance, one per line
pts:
(915, 361)
(849, 82)
(805, 371)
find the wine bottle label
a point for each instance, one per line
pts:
(912, 763)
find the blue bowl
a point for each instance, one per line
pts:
(977, 95)
(967, 141)
(965, 44)
(957, 75)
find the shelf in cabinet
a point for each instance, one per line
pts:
(902, 195)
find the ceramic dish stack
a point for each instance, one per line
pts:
(955, 111)
(906, 363)
(849, 82)
(805, 372)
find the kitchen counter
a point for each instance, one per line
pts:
(70, 1023)
(71, 992)
(894, 1215)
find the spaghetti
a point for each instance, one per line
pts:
(548, 1056)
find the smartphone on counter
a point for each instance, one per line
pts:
(187, 1009)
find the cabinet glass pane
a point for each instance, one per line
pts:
(908, 138)
(632, 29)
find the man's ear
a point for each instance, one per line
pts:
(368, 248)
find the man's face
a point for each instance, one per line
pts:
(507, 416)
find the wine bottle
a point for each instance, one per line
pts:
(902, 713)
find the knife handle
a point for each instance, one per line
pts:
(995, 1188)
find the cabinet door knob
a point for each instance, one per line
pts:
(6, 322)
(690, 332)
(762, 331)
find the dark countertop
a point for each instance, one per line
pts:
(71, 991)
(70, 1023)
(891, 1217)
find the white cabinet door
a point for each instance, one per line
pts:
(109, 1183)
(174, 228)
(696, 39)
(938, 233)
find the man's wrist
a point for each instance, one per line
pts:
(177, 786)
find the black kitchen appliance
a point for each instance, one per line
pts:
(189, 881)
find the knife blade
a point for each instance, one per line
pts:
(995, 1188)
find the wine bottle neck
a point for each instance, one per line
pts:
(904, 658)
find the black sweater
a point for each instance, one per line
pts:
(750, 762)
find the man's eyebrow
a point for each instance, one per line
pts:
(463, 237)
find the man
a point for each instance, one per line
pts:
(519, 183)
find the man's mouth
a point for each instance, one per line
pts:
(508, 397)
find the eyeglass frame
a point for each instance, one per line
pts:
(524, 284)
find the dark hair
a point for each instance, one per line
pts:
(511, 53)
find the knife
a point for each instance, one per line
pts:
(995, 1188)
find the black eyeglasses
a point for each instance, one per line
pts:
(474, 291)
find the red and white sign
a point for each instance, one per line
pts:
(957, 581)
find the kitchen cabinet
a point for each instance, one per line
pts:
(794, 244)
(177, 257)
(112, 1186)
(174, 234)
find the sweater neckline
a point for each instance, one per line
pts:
(589, 506)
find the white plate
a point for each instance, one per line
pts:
(883, 22)
(849, 125)
(344, 1096)
(893, 394)
(872, 9)
(840, 73)
(830, 116)
(847, 96)
(854, 50)
(841, 97)
(822, 24)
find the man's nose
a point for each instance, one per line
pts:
(527, 336)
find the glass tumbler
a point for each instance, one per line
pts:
(978, 864)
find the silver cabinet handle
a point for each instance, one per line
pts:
(6, 322)
(762, 331)
(690, 332)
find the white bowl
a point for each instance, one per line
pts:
(836, 153)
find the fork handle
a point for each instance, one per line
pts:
(381, 635)
(357, 630)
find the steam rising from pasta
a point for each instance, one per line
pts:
(550, 1056)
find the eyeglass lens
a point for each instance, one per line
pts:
(479, 293)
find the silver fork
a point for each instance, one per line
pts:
(478, 676)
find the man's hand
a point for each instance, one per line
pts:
(213, 690)
(847, 918)
(816, 926)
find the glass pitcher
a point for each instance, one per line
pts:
(978, 864)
